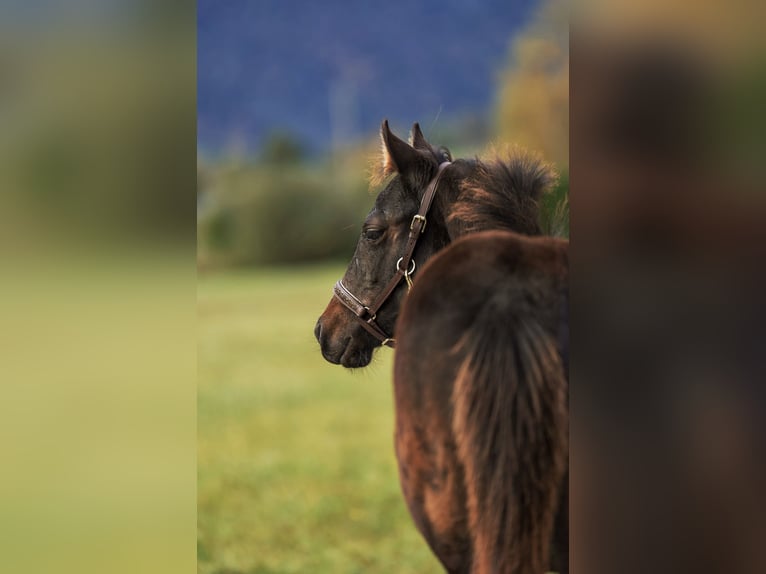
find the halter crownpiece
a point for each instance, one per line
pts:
(405, 267)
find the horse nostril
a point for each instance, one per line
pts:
(318, 331)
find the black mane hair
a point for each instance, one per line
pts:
(503, 193)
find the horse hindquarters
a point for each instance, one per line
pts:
(510, 421)
(479, 379)
(430, 472)
(483, 478)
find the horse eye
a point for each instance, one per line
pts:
(373, 234)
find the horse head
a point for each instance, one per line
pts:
(383, 241)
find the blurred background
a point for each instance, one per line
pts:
(134, 263)
(296, 468)
(98, 290)
(291, 97)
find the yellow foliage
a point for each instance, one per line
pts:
(533, 103)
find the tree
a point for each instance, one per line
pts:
(533, 106)
(282, 148)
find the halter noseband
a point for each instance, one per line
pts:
(405, 267)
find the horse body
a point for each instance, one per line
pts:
(481, 402)
(480, 368)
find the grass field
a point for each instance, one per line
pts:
(295, 456)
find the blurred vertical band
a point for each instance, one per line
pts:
(97, 305)
(668, 210)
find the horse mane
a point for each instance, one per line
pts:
(503, 193)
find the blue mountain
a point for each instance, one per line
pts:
(328, 71)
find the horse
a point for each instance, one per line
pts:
(481, 367)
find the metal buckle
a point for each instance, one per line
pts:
(418, 217)
(407, 272)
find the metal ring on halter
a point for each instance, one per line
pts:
(409, 271)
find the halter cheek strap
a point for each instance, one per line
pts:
(361, 312)
(405, 267)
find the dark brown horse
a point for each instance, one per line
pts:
(480, 370)
(481, 402)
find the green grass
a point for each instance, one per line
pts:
(295, 456)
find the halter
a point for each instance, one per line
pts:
(405, 267)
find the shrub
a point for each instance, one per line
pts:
(263, 215)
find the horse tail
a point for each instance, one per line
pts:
(510, 421)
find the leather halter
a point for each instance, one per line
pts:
(405, 267)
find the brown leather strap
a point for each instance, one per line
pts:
(366, 319)
(367, 315)
(417, 226)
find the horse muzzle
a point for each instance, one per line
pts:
(341, 340)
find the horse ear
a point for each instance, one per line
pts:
(398, 155)
(417, 139)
